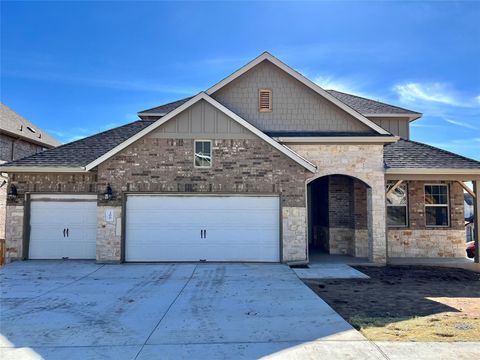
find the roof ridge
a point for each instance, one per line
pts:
(380, 102)
(169, 103)
(442, 150)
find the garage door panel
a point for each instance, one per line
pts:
(167, 228)
(49, 218)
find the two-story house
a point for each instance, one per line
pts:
(265, 165)
(18, 138)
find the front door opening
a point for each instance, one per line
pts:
(337, 216)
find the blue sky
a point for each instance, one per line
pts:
(75, 68)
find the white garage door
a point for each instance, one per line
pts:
(63, 226)
(195, 228)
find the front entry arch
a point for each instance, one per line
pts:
(340, 216)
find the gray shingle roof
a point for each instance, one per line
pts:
(412, 154)
(82, 152)
(369, 106)
(14, 124)
(165, 108)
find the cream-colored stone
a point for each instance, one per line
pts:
(294, 233)
(426, 243)
(109, 234)
(364, 162)
(14, 232)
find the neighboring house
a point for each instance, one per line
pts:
(263, 166)
(18, 138)
(468, 205)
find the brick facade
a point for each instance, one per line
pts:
(418, 240)
(239, 166)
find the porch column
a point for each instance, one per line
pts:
(476, 219)
(377, 239)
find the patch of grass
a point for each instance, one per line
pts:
(427, 328)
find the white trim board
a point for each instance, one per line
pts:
(203, 96)
(303, 80)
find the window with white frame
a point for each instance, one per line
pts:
(436, 205)
(203, 153)
(397, 205)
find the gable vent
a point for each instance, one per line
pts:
(265, 100)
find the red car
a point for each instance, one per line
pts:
(471, 249)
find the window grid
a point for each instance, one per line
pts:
(403, 203)
(202, 150)
(437, 196)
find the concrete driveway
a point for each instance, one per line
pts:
(81, 310)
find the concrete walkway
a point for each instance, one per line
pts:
(81, 310)
(329, 271)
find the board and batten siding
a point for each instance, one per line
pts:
(295, 107)
(396, 125)
(202, 121)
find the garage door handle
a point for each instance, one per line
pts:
(64, 232)
(204, 234)
(67, 232)
(201, 234)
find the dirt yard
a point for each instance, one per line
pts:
(408, 303)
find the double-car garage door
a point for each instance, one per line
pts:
(161, 227)
(196, 228)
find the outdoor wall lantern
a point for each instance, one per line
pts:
(12, 194)
(108, 193)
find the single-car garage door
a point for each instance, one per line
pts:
(196, 228)
(63, 226)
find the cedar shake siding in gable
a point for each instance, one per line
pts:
(295, 107)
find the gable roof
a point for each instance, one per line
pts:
(76, 155)
(15, 125)
(203, 96)
(369, 107)
(408, 154)
(310, 84)
(85, 154)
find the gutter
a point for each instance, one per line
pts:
(38, 169)
(338, 139)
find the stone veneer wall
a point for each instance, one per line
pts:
(14, 232)
(294, 227)
(109, 234)
(418, 240)
(365, 162)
